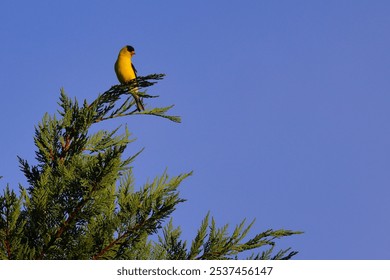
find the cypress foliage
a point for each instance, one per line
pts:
(81, 202)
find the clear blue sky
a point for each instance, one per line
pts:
(285, 106)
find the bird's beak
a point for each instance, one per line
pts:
(133, 53)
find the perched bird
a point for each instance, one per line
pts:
(125, 71)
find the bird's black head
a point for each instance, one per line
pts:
(130, 48)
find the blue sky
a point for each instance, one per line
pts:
(285, 106)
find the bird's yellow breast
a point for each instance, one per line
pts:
(123, 69)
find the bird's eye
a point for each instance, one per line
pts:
(130, 48)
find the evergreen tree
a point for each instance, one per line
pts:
(81, 202)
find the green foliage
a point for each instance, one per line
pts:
(212, 243)
(81, 202)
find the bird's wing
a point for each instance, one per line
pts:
(135, 70)
(135, 74)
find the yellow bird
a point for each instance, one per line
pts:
(126, 72)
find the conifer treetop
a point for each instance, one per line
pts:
(82, 201)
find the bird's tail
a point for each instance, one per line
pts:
(138, 103)
(137, 99)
